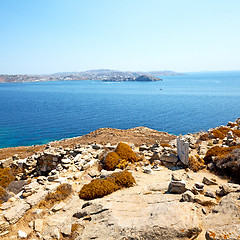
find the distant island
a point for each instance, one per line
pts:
(94, 75)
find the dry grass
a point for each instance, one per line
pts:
(125, 152)
(122, 156)
(204, 137)
(62, 192)
(98, 188)
(221, 132)
(122, 164)
(229, 165)
(22, 152)
(3, 195)
(6, 177)
(111, 161)
(196, 163)
(165, 145)
(122, 179)
(218, 152)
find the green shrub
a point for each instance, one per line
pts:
(111, 161)
(125, 152)
(98, 188)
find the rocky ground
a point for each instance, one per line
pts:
(137, 136)
(169, 200)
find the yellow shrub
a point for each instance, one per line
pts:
(6, 177)
(111, 161)
(165, 145)
(218, 152)
(122, 179)
(62, 192)
(204, 137)
(98, 188)
(122, 164)
(125, 152)
(196, 163)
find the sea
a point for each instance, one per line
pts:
(40, 112)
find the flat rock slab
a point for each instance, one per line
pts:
(37, 197)
(15, 213)
(58, 206)
(151, 216)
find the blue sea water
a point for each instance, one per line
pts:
(39, 112)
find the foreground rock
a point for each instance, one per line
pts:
(169, 201)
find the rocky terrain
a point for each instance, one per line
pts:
(176, 195)
(95, 75)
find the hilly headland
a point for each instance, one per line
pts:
(95, 75)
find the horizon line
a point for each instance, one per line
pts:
(104, 69)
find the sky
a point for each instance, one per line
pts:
(48, 36)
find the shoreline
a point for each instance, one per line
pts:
(137, 135)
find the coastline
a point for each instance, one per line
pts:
(137, 135)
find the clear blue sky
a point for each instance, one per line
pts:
(47, 36)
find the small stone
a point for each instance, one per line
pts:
(170, 158)
(38, 225)
(204, 211)
(196, 190)
(93, 173)
(188, 196)
(97, 146)
(66, 161)
(66, 229)
(176, 177)
(205, 201)
(157, 168)
(211, 194)
(22, 234)
(177, 187)
(5, 205)
(30, 224)
(86, 166)
(55, 233)
(58, 206)
(148, 170)
(208, 181)
(199, 185)
(53, 177)
(16, 212)
(26, 194)
(216, 141)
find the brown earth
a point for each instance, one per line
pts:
(138, 136)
